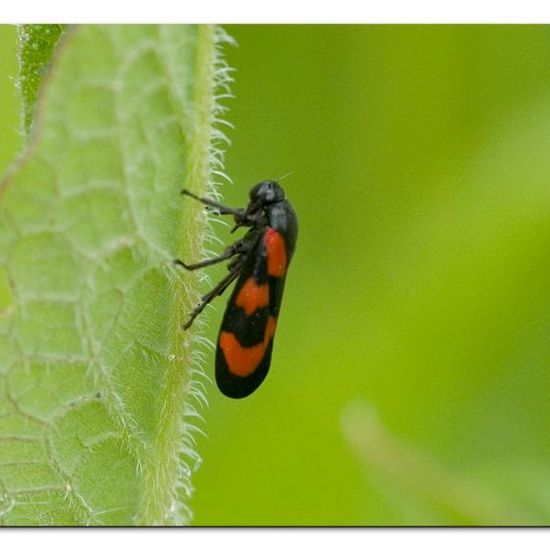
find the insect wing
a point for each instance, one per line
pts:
(245, 342)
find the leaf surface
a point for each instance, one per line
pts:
(36, 47)
(97, 379)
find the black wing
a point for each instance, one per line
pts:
(245, 342)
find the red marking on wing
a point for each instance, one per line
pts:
(243, 361)
(276, 253)
(252, 296)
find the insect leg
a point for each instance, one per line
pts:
(238, 247)
(216, 291)
(221, 208)
(225, 255)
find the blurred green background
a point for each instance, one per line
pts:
(410, 380)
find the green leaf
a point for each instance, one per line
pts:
(36, 46)
(426, 492)
(98, 383)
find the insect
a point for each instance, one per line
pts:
(259, 261)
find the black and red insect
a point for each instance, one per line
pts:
(259, 261)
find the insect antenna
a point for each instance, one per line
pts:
(278, 180)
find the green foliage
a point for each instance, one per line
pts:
(419, 485)
(10, 116)
(420, 281)
(97, 380)
(36, 46)
(419, 286)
